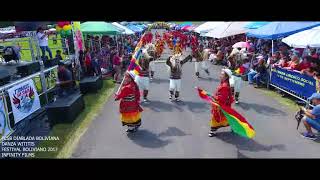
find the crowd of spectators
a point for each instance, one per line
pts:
(259, 52)
(107, 56)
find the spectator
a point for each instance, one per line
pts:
(55, 37)
(43, 42)
(275, 58)
(88, 64)
(311, 118)
(305, 64)
(314, 54)
(58, 55)
(95, 64)
(283, 62)
(65, 82)
(117, 67)
(310, 71)
(293, 64)
(220, 57)
(258, 73)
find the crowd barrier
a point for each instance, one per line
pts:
(294, 83)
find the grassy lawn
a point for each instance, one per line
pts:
(26, 54)
(287, 101)
(70, 134)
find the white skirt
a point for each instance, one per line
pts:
(202, 65)
(152, 66)
(175, 85)
(235, 82)
(142, 82)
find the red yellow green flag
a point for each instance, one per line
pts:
(237, 122)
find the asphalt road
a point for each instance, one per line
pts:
(180, 130)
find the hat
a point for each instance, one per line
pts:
(228, 72)
(131, 74)
(314, 96)
(260, 57)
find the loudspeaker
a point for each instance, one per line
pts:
(27, 69)
(51, 62)
(65, 110)
(90, 84)
(4, 77)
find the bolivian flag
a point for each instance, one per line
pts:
(237, 122)
(134, 63)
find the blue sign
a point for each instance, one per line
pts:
(300, 84)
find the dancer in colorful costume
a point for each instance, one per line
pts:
(175, 64)
(223, 96)
(130, 110)
(142, 79)
(201, 57)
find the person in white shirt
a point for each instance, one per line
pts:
(43, 42)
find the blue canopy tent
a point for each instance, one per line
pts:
(256, 24)
(134, 28)
(141, 26)
(276, 30)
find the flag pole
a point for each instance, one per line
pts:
(124, 77)
(120, 85)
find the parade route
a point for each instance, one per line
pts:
(180, 129)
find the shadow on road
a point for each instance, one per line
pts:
(148, 139)
(261, 109)
(241, 156)
(210, 79)
(196, 107)
(158, 81)
(247, 144)
(160, 106)
(172, 131)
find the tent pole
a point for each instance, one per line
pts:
(270, 68)
(117, 42)
(100, 42)
(272, 46)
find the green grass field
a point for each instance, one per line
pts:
(70, 134)
(26, 54)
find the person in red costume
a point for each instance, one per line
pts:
(157, 35)
(223, 95)
(149, 37)
(130, 110)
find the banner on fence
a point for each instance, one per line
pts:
(5, 129)
(300, 84)
(24, 100)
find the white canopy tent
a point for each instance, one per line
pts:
(310, 37)
(227, 29)
(207, 26)
(126, 30)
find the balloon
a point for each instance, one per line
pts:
(60, 24)
(68, 33)
(62, 33)
(76, 25)
(66, 23)
(67, 27)
(58, 28)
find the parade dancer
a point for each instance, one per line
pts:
(223, 96)
(143, 79)
(236, 62)
(200, 61)
(130, 110)
(175, 65)
(177, 48)
(159, 49)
